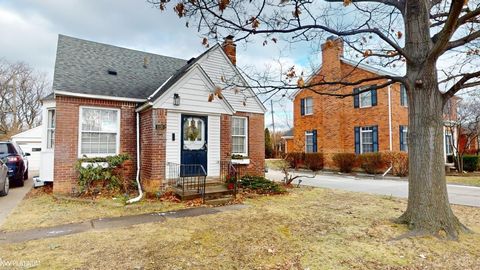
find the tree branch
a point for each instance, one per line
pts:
(399, 4)
(461, 84)
(441, 38)
(464, 40)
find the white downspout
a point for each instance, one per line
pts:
(390, 117)
(389, 126)
(140, 192)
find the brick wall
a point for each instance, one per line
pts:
(66, 138)
(225, 137)
(256, 144)
(152, 145)
(335, 118)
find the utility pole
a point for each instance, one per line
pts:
(273, 128)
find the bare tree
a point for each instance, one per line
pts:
(415, 34)
(21, 89)
(464, 126)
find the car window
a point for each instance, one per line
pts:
(7, 149)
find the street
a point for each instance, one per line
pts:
(463, 195)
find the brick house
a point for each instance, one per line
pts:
(373, 121)
(162, 111)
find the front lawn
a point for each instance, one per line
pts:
(39, 209)
(306, 229)
(468, 180)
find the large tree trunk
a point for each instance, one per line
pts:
(428, 211)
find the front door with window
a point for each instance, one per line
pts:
(194, 144)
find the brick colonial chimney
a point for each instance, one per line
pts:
(230, 49)
(332, 51)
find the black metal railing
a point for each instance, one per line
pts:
(187, 178)
(229, 173)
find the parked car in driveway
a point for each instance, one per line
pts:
(16, 160)
(4, 182)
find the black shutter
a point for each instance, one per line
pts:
(357, 140)
(375, 138)
(374, 96)
(302, 106)
(314, 133)
(356, 98)
(402, 146)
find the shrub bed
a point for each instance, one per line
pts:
(261, 185)
(96, 174)
(314, 161)
(345, 162)
(295, 159)
(398, 161)
(471, 163)
(372, 163)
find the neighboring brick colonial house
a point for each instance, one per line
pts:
(373, 121)
(105, 96)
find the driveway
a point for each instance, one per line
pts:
(464, 195)
(14, 197)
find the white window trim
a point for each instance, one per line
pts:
(360, 98)
(405, 102)
(405, 141)
(80, 118)
(305, 106)
(361, 138)
(449, 150)
(307, 133)
(246, 136)
(50, 128)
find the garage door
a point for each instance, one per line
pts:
(34, 150)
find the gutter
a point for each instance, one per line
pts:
(140, 192)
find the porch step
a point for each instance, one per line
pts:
(212, 191)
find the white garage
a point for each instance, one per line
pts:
(31, 142)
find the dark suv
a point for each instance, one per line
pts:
(14, 158)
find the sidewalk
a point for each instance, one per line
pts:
(109, 223)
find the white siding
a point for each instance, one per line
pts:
(172, 148)
(216, 66)
(213, 145)
(194, 90)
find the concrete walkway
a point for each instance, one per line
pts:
(109, 223)
(457, 194)
(14, 197)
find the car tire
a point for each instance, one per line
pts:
(17, 182)
(6, 188)
(25, 175)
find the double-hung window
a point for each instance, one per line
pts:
(240, 136)
(366, 139)
(404, 138)
(50, 128)
(99, 131)
(365, 99)
(306, 106)
(309, 142)
(448, 143)
(403, 96)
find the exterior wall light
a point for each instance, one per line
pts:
(176, 99)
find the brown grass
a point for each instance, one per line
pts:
(468, 180)
(41, 209)
(307, 229)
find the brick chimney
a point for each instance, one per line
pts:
(332, 51)
(230, 49)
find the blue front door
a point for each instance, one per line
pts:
(194, 144)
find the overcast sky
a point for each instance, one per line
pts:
(29, 30)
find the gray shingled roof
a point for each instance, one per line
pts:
(82, 67)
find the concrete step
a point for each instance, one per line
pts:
(211, 192)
